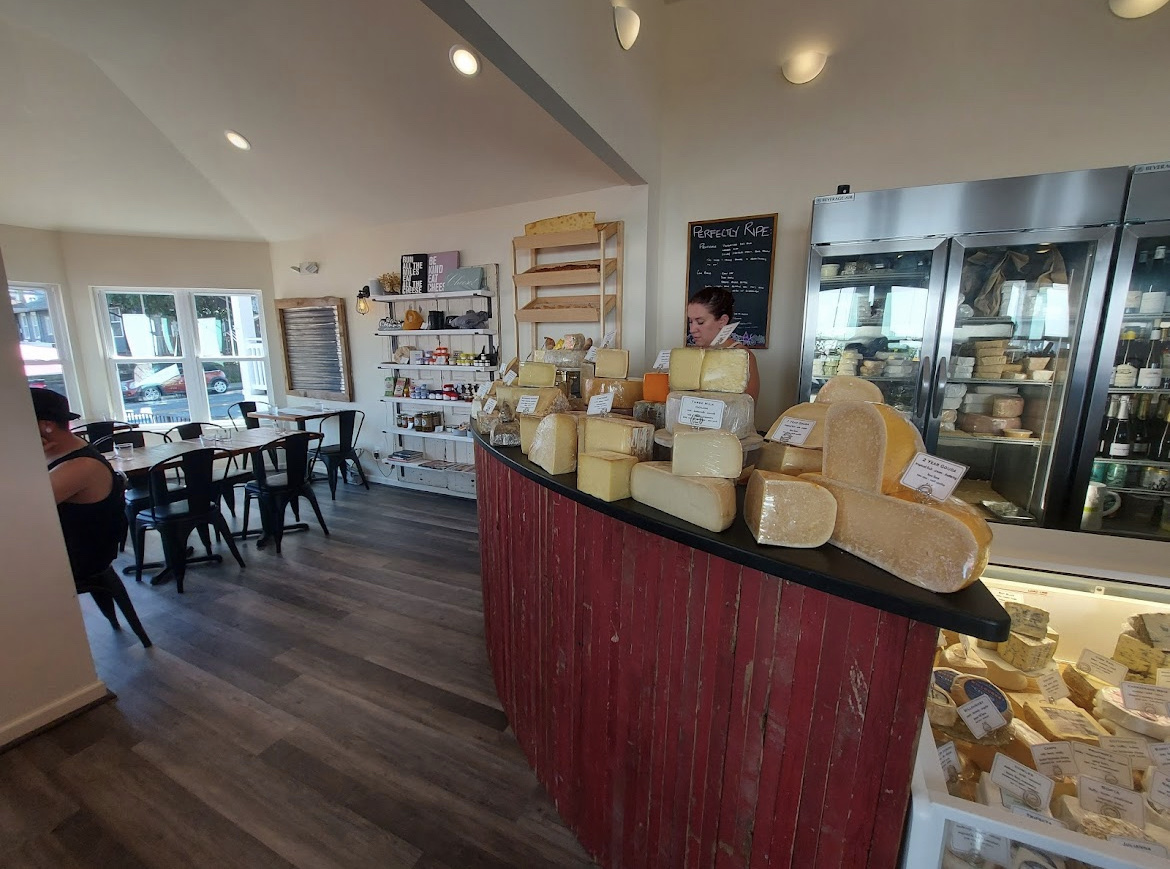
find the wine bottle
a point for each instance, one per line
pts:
(1150, 375)
(1153, 300)
(1139, 430)
(1124, 371)
(1107, 427)
(1156, 424)
(1160, 451)
(1121, 440)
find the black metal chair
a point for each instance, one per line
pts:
(238, 413)
(276, 489)
(137, 494)
(107, 590)
(230, 472)
(335, 456)
(176, 515)
(96, 431)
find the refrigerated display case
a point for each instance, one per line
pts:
(1122, 473)
(961, 817)
(975, 307)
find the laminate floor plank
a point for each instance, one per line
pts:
(30, 804)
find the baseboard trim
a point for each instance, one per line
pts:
(52, 714)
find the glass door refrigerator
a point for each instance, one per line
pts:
(975, 307)
(1122, 471)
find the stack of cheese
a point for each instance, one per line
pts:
(1137, 649)
(698, 484)
(568, 352)
(611, 376)
(566, 442)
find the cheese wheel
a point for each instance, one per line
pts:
(966, 688)
(944, 677)
(940, 708)
(966, 662)
(784, 511)
(1109, 704)
(963, 512)
(655, 386)
(814, 412)
(869, 445)
(846, 387)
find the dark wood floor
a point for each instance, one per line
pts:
(330, 707)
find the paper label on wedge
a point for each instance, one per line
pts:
(489, 405)
(591, 354)
(602, 403)
(1034, 788)
(1111, 801)
(723, 334)
(1162, 680)
(1149, 699)
(981, 716)
(527, 403)
(662, 361)
(1160, 789)
(510, 377)
(484, 387)
(793, 432)
(1052, 686)
(933, 476)
(1101, 666)
(701, 412)
(1126, 747)
(1054, 759)
(607, 341)
(1103, 765)
(948, 758)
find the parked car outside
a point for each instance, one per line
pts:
(170, 381)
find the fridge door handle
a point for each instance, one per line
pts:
(923, 385)
(940, 382)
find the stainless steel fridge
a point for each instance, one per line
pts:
(1121, 487)
(975, 307)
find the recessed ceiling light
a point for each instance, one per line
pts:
(464, 60)
(237, 140)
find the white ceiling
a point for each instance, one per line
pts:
(112, 116)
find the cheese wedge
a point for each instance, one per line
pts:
(784, 511)
(1026, 653)
(725, 370)
(605, 475)
(783, 459)
(708, 502)
(712, 453)
(537, 374)
(1004, 675)
(626, 393)
(686, 368)
(846, 387)
(1062, 721)
(1082, 687)
(808, 411)
(965, 662)
(655, 386)
(612, 363)
(549, 399)
(619, 435)
(869, 445)
(528, 425)
(921, 544)
(1028, 620)
(554, 445)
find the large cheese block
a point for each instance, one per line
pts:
(781, 510)
(686, 368)
(655, 386)
(562, 223)
(1109, 704)
(626, 393)
(1136, 655)
(554, 445)
(919, 543)
(1069, 810)
(1062, 721)
(619, 435)
(605, 475)
(1003, 674)
(528, 425)
(1026, 653)
(981, 423)
(612, 363)
(725, 370)
(815, 412)
(846, 387)
(653, 412)
(962, 660)
(868, 445)
(706, 454)
(957, 509)
(1146, 626)
(537, 374)
(784, 459)
(1028, 620)
(549, 399)
(1082, 687)
(739, 411)
(708, 502)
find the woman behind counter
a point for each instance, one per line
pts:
(708, 311)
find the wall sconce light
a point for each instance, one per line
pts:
(626, 24)
(804, 66)
(1135, 8)
(363, 301)
(306, 268)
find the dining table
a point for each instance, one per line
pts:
(297, 415)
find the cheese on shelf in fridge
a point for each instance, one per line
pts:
(708, 502)
(554, 445)
(1082, 687)
(1027, 620)
(725, 370)
(846, 387)
(739, 410)
(537, 374)
(868, 445)
(965, 661)
(612, 363)
(605, 475)
(1136, 655)
(966, 688)
(785, 511)
(686, 368)
(712, 453)
(626, 393)
(1110, 705)
(1063, 721)
(784, 459)
(1003, 674)
(1026, 653)
(619, 435)
(655, 386)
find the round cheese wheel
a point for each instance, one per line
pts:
(944, 677)
(846, 387)
(962, 511)
(967, 688)
(940, 707)
(1109, 704)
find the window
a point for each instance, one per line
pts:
(160, 342)
(44, 340)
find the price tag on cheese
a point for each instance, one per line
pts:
(607, 341)
(724, 334)
(1149, 699)
(948, 759)
(933, 476)
(1054, 759)
(1030, 786)
(510, 377)
(1111, 801)
(1160, 789)
(601, 404)
(981, 716)
(527, 403)
(1052, 686)
(662, 361)
(1132, 749)
(793, 432)
(1162, 680)
(591, 354)
(1101, 666)
(1024, 811)
(483, 388)
(1160, 754)
(489, 405)
(969, 842)
(701, 412)
(1103, 765)
(1144, 847)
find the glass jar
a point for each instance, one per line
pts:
(424, 421)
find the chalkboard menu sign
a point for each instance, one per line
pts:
(736, 253)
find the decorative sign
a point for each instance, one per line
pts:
(1027, 784)
(793, 432)
(662, 361)
(737, 254)
(1104, 668)
(527, 403)
(724, 334)
(1151, 167)
(1054, 759)
(414, 273)
(1149, 699)
(835, 197)
(599, 404)
(933, 476)
(1052, 686)
(510, 377)
(1111, 801)
(439, 265)
(701, 412)
(981, 717)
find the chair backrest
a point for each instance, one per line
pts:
(198, 468)
(349, 426)
(192, 431)
(96, 431)
(133, 437)
(295, 446)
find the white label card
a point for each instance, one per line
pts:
(527, 403)
(599, 404)
(1054, 759)
(981, 716)
(591, 354)
(1052, 686)
(483, 388)
(1145, 847)
(1102, 765)
(933, 476)
(1027, 784)
(489, 405)
(1160, 754)
(1036, 816)
(510, 377)
(1163, 677)
(1149, 699)
(723, 334)
(948, 758)
(662, 361)
(967, 841)
(794, 431)
(607, 341)
(1111, 801)
(1128, 747)
(1158, 627)
(1160, 789)
(701, 412)
(1101, 666)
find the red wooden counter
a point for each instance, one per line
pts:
(684, 707)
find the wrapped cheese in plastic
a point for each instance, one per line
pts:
(808, 411)
(626, 393)
(549, 399)
(869, 445)
(505, 433)
(712, 453)
(785, 511)
(785, 459)
(561, 358)
(846, 387)
(738, 411)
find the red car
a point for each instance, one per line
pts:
(170, 381)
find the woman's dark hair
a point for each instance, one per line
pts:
(720, 302)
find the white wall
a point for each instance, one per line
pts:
(48, 671)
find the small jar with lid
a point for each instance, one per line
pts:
(405, 420)
(424, 421)
(442, 355)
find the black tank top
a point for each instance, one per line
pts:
(92, 531)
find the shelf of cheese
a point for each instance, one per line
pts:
(960, 438)
(567, 274)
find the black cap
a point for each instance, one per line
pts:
(52, 406)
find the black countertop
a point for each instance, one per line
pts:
(973, 611)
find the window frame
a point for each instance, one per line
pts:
(62, 340)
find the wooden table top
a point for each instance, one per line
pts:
(144, 458)
(292, 414)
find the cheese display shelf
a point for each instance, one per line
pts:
(1106, 809)
(681, 691)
